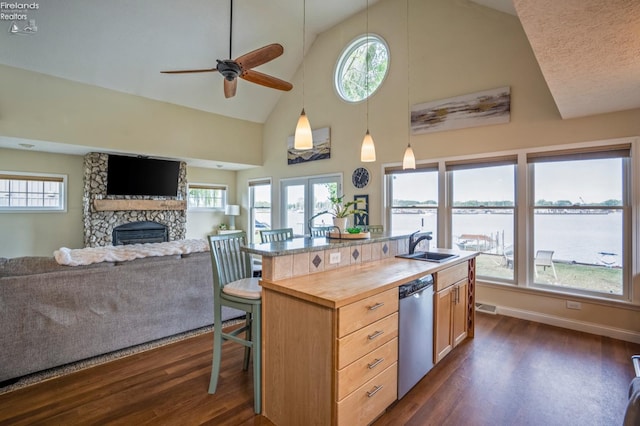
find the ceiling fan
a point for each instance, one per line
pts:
(242, 66)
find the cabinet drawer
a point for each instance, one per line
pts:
(363, 312)
(357, 373)
(369, 400)
(363, 341)
(451, 275)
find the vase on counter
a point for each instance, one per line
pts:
(341, 222)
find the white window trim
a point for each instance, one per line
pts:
(523, 238)
(211, 186)
(351, 46)
(35, 209)
(252, 214)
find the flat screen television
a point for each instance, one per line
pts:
(142, 176)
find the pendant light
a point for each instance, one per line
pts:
(368, 149)
(409, 160)
(303, 139)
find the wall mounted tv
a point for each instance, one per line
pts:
(142, 176)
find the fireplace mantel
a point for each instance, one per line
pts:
(119, 205)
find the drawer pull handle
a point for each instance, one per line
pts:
(375, 363)
(376, 306)
(374, 391)
(374, 335)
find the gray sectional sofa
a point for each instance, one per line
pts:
(52, 315)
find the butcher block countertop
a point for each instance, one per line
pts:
(338, 287)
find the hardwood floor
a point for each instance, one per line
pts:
(514, 372)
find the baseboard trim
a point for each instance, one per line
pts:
(587, 327)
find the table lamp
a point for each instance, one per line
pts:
(232, 210)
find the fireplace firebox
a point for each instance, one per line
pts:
(140, 233)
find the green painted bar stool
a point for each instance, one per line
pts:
(272, 235)
(234, 286)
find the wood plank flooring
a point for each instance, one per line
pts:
(514, 372)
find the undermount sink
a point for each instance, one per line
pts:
(429, 256)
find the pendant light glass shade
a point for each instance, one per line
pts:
(303, 138)
(368, 149)
(409, 160)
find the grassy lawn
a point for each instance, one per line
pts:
(586, 277)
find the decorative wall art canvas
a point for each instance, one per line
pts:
(476, 109)
(320, 151)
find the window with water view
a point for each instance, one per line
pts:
(578, 222)
(571, 231)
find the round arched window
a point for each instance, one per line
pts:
(353, 82)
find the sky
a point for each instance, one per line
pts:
(593, 181)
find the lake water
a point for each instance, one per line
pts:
(572, 237)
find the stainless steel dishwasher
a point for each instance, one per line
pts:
(415, 333)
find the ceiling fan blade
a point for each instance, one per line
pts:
(260, 56)
(230, 88)
(266, 80)
(189, 71)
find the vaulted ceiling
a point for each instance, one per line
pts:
(588, 50)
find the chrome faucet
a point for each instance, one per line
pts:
(413, 241)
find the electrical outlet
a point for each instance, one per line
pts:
(334, 258)
(574, 305)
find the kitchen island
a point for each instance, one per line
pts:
(330, 324)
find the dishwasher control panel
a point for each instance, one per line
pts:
(414, 286)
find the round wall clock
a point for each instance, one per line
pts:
(360, 177)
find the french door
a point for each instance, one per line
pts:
(305, 199)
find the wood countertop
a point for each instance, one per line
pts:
(341, 286)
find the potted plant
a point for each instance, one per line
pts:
(340, 210)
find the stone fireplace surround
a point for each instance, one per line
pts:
(98, 225)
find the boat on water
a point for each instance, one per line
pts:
(476, 242)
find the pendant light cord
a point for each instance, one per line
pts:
(408, 75)
(366, 60)
(304, 32)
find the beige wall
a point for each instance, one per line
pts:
(39, 234)
(455, 48)
(44, 108)
(203, 223)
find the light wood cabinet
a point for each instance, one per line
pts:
(330, 339)
(328, 366)
(451, 309)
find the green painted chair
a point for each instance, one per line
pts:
(234, 286)
(321, 231)
(273, 235)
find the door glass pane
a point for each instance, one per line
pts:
(579, 225)
(294, 204)
(483, 217)
(321, 193)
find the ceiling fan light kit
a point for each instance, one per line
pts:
(242, 66)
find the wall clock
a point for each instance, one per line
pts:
(360, 177)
